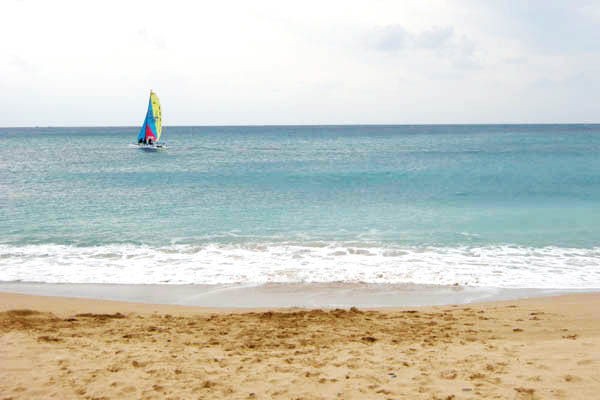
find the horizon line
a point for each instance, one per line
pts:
(300, 125)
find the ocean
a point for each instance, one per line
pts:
(501, 206)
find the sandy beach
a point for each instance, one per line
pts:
(55, 347)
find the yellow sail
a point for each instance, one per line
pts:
(157, 114)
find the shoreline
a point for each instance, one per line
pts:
(63, 305)
(528, 349)
(278, 295)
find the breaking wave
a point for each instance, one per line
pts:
(502, 266)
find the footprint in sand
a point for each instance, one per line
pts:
(128, 389)
(525, 393)
(477, 375)
(451, 374)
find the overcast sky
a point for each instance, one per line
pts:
(69, 63)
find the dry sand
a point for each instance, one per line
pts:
(546, 348)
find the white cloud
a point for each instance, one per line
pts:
(69, 62)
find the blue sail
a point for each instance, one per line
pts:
(148, 130)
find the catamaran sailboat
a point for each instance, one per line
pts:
(151, 129)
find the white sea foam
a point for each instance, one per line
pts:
(489, 266)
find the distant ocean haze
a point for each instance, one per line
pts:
(480, 205)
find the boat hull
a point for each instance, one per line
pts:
(152, 148)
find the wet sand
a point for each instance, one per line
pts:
(277, 295)
(543, 348)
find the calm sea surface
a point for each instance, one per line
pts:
(480, 205)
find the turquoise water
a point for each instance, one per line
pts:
(498, 205)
